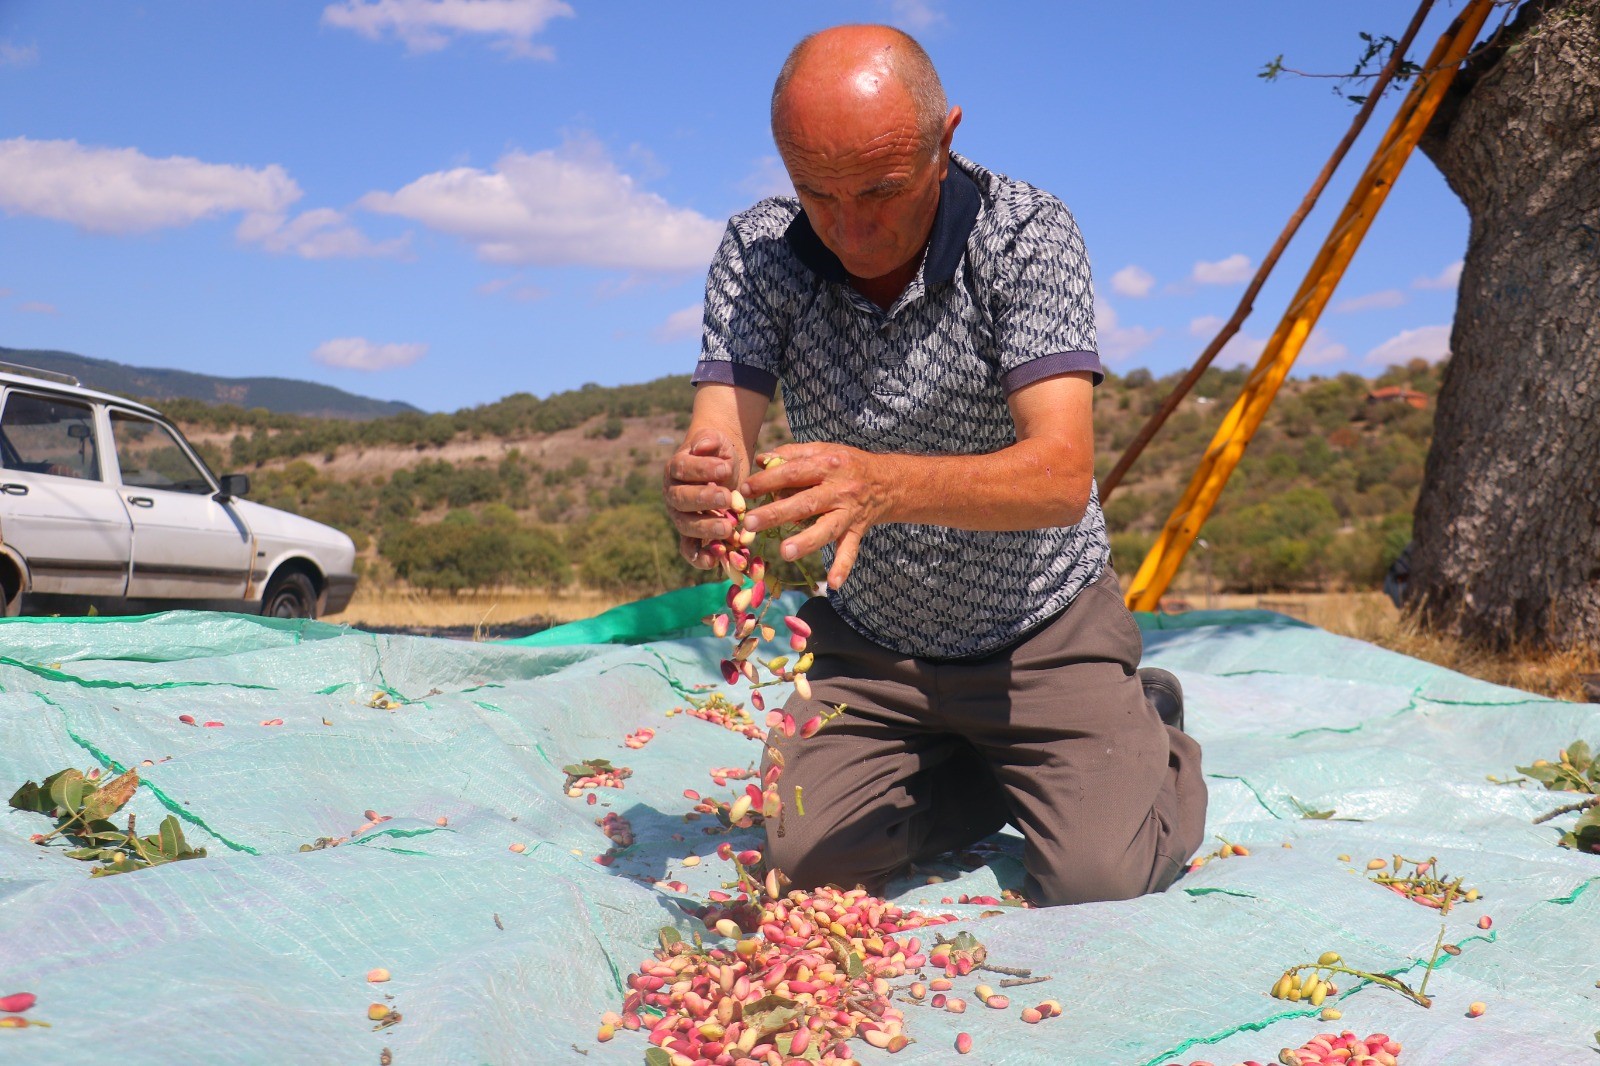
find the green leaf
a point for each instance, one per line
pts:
(855, 969)
(1545, 775)
(31, 797)
(769, 1014)
(669, 936)
(964, 941)
(88, 853)
(171, 837)
(657, 1056)
(1578, 754)
(57, 784)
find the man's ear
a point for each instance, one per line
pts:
(951, 121)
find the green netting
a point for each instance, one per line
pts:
(664, 617)
(257, 953)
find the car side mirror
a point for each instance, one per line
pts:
(233, 485)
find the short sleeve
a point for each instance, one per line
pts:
(742, 340)
(1044, 306)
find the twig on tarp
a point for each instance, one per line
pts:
(1581, 805)
(1017, 982)
(1009, 971)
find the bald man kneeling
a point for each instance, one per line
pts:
(932, 325)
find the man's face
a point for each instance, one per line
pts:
(868, 182)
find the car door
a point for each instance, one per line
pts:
(57, 507)
(186, 545)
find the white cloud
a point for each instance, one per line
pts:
(37, 307)
(565, 207)
(429, 25)
(1426, 342)
(1132, 281)
(1320, 349)
(681, 325)
(767, 178)
(1229, 271)
(1448, 278)
(121, 190)
(915, 15)
(1241, 350)
(358, 353)
(319, 234)
(1118, 342)
(514, 288)
(18, 55)
(1372, 301)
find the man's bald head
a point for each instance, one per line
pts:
(863, 62)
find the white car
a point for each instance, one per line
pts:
(103, 503)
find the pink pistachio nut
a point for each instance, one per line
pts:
(17, 1002)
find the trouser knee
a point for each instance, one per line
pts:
(1089, 879)
(843, 857)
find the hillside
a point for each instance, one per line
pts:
(528, 490)
(285, 395)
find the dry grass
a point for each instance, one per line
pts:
(395, 605)
(1371, 617)
(1367, 616)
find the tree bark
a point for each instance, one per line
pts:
(1507, 525)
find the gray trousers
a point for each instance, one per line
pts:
(1052, 734)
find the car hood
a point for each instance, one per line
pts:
(269, 523)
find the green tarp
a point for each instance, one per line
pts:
(257, 953)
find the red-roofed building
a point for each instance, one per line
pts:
(1398, 394)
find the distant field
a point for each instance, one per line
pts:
(398, 607)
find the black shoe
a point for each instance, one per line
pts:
(1165, 695)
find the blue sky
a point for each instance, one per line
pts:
(445, 201)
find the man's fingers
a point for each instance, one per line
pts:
(844, 559)
(698, 497)
(685, 466)
(790, 509)
(825, 530)
(710, 442)
(699, 526)
(794, 474)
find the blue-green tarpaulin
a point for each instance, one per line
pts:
(258, 952)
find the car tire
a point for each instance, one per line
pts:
(290, 595)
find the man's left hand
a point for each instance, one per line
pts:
(844, 488)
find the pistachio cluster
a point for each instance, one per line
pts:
(797, 976)
(751, 595)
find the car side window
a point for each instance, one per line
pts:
(151, 458)
(46, 435)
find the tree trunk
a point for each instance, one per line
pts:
(1507, 529)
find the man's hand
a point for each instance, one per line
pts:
(844, 488)
(696, 482)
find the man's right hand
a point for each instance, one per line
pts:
(699, 479)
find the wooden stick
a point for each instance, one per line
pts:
(1247, 301)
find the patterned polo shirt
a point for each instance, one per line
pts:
(1002, 299)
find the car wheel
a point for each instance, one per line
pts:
(290, 595)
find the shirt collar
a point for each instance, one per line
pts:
(952, 225)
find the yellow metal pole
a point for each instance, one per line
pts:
(1227, 446)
